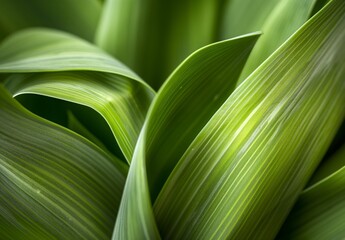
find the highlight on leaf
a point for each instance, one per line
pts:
(130, 119)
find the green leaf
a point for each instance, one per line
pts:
(79, 17)
(184, 104)
(46, 50)
(320, 210)
(54, 184)
(188, 99)
(329, 166)
(243, 172)
(148, 34)
(104, 85)
(244, 16)
(122, 103)
(286, 17)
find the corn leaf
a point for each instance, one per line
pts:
(147, 34)
(320, 210)
(54, 184)
(79, 17)
(243, 172)
(104, 85)
(183, 105)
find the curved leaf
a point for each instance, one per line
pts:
(320, 210)
(122, 103)
(184, 104)
(54, 184)
(105, 84)
(243, 172)
(46, 50)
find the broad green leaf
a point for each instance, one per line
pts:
(54, 184)
(101, 82)
(241, 175)
(244, 16)
(46, 50)
(122, 103)
(79, 17)
(286, 17)
(320, 210)
(154, 36)
(187, 100)
(191, 95)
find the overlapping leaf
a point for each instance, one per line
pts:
(286, 17)
(54, 184)
(148, 34)
(244, 16)
(241, 175)
(320, 210)
(105, 85)
(184, 104)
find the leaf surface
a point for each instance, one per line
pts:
(241, 175)
(54, 184)
(184, 104)
(320, 210)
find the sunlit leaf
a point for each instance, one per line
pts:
(183, 105)
(243, 172)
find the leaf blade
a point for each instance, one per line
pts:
(228, 184)
(52, 179)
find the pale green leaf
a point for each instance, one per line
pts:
(243, 172)
(45, 50)
(184, 104)
(54, 184)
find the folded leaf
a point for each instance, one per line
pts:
(54, 184)
(105, 84)
(184, 104)
(243, 172)
(122, 103)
